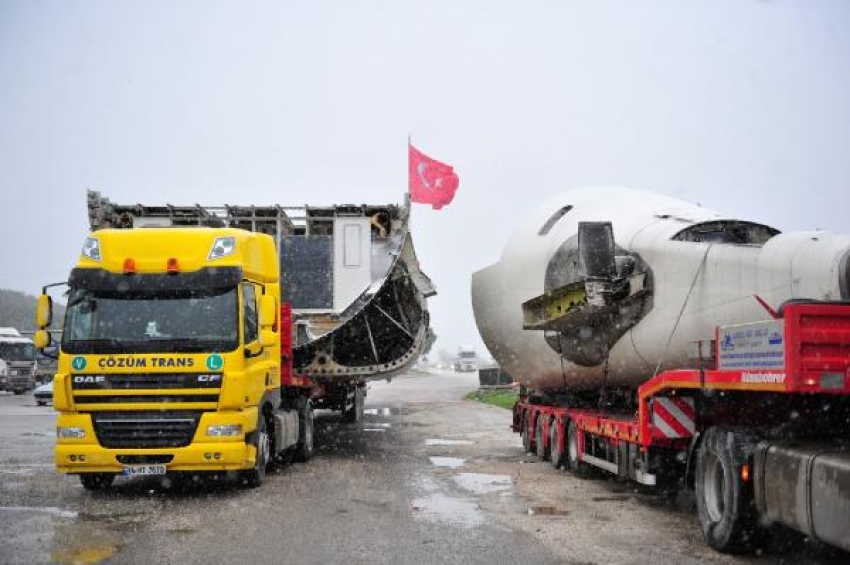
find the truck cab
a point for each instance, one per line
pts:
(17, 362)
(466, 360)
(170, 355)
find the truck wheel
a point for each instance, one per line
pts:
(355, 413)
(724, 503)
(304, 449)
(262, 442)
(526, 437)
(96, 481)
(556, 456)
(571, 460)
(542, 451)
(18, 391)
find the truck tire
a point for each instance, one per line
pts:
(571, 460)
(526, 437)
(724, 501)
(96, 481)
(542, 450)
(19, 391)
(355, 414)
(262, 443)
(304, 449)
(556, 455)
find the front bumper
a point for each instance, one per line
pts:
(204, 453)
(96, 459)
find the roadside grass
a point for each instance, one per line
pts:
(501, 398)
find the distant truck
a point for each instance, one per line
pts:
(17, 362)
(466, 360)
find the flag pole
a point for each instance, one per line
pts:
(409, 207)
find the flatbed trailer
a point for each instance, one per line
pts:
(761, 430)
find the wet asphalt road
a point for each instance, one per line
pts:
(367, 497)
(427, 478)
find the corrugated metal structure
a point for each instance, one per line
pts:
(350, 273)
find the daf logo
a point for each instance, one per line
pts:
(209, 378)
(89, 379)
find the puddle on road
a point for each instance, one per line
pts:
(450, 462)
(382, 411)
(437, 506)
(614, 498)
(55, 535)
(83, 555)
(482, 483)
(442, 508)
(52, 510)
(546, 511)
(376, 426)
(448, 442)
(22, 469)
(15, 472)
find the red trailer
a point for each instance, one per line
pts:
(761, 430)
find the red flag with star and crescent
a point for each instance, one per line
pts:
(431, 182)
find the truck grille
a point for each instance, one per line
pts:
(145, 381)
(21, 380)
(194, 388)
(141, 430)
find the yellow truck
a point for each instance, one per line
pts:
(180, 351)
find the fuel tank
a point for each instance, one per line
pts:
(608, 286)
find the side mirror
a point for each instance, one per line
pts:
(268, 311)
(44, 311)
(268, 338)
(41, 339)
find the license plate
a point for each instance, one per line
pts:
(133, 470)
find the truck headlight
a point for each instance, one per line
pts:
(70, 433)
(222, 247)
(91, 249)
(224, 430)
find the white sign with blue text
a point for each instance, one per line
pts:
(760, 345)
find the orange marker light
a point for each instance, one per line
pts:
(745, 473)
(129, 266)
(172, 266)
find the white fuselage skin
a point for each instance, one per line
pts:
(696, 286)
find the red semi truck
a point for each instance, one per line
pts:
(760, 430)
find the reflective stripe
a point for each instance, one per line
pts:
(675, 408)
(673, 417)
(662, 426)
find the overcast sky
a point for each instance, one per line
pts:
(742, 106)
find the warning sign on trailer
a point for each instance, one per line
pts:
(751, 346)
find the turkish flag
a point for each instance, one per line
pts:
(431, 182)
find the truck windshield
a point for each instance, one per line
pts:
(467, 355)
(17, 351)
(112, 322)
